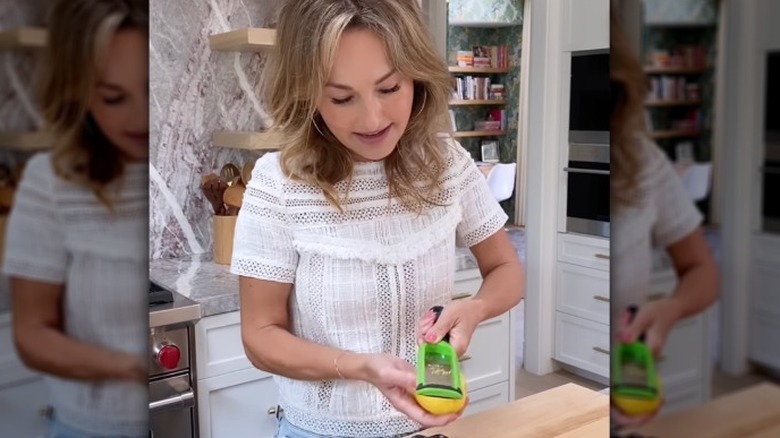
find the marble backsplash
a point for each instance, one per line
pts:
(18, 110)
(195, 92)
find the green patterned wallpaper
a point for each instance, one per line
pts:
(463, 38)
(494, 11)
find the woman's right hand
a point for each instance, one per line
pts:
(397, 381)
(131, 368)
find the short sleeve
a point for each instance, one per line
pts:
(677, 215)
(35, 242)
(481, 214)
(263, 241)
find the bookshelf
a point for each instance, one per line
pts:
(467, 134)
(467, 102)
(478, 70)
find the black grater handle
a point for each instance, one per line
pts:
(436, 314)
(633, 309)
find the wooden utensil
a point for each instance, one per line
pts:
(234, 195)
(213, 190)
(229, 172)
(246, 172)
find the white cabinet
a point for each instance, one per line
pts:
(239, 404)
(588, 24)
(582, 304)
(23, 393)
(236, 400)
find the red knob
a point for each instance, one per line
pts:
(168, 356)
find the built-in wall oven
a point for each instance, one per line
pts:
(587, 169)
(587, 197)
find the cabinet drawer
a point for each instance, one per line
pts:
(681, 394)
(590, 252)
(486, 361)
(467, 283)
(582, 343)
(583, 292)
(764, 332)
(236, 405)
(683, 355)
(764, 290)
(219, 349)
(487, 398)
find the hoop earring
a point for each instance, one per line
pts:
(317, 126)
(422, 107)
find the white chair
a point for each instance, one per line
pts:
(501, 180)
(697, 180)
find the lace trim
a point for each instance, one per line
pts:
(261, 270)
(483, 231)
(407, 249)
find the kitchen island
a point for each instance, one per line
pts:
(565, 411)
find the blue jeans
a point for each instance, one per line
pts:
(287, 430)
(58, 429)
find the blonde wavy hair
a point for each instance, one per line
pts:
(629, 90)
(80, 32)
(307, 36)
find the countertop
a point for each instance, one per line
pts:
(570, 411)
(212, 286)
(752, 412)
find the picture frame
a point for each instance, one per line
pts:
(490, 151)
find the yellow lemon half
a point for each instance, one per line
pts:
(443, 406)
(635, 407)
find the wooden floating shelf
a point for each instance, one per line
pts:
(26, 141)
(455, 69)
(675, 133)
(674, 70)
(477, 102)
(461, 134)
(250, 39)
(660, 103)
(23, 37)
(249, 140)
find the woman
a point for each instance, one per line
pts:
(651, 209)
(76, 251)
(347, 236)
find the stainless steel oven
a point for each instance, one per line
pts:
(172, 381)
(587, 189)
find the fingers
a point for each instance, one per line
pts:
(444, 324)
(400, 376)
(426, 322)
(637, 326)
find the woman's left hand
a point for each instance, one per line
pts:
(460, 318)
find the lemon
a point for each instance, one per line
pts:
(636, 407)
(443, 406)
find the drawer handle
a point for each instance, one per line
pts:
(465, 358)
(460, 296)
(601, 298)
(602, 256)
(601, 350)
(272, 410)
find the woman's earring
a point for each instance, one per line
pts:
(317, 126)
(422, 107)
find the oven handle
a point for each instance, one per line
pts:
(181, 400)
(589, 171)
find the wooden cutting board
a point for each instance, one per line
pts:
(569, 411)
(750, 413)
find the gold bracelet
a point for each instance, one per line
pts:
(336, 364)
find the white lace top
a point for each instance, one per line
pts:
(663, 215)
(60, 233)
(362, 278)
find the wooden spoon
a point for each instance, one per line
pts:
(229, 172)
(246, 172)
(234, 195)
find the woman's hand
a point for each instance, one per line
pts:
(131, 368)
(397, 381)
(460, 318)
(654, 319)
